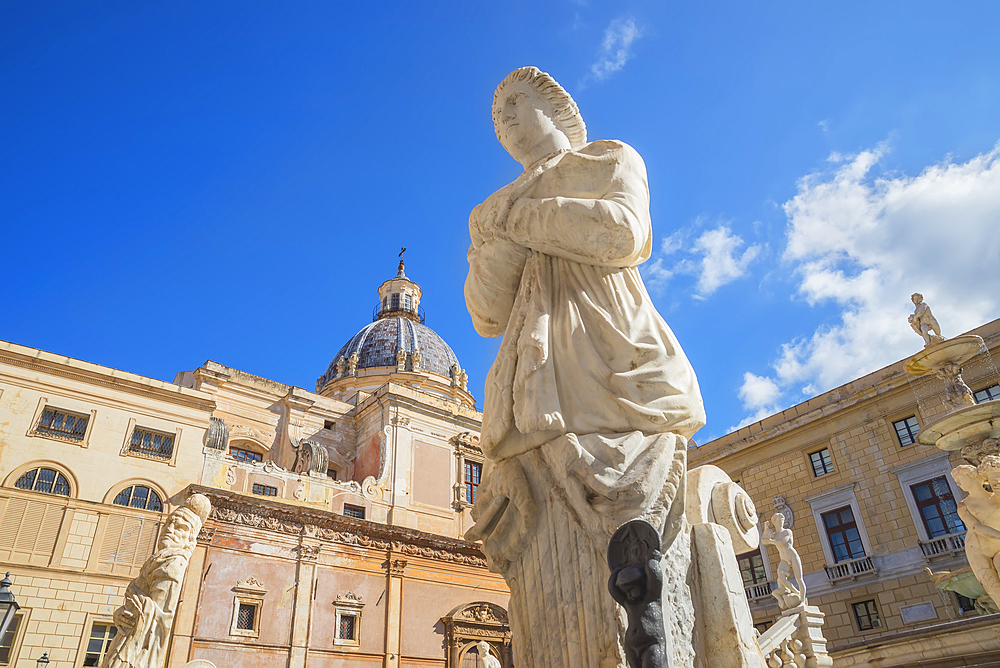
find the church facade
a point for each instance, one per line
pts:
(338, 513)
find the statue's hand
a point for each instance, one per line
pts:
(505, 512)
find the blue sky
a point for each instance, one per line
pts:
(231, 181)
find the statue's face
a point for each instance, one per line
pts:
(178, 532)
(525, 119)
(916, 299)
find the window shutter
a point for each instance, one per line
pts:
(29, 530)
(127, 543)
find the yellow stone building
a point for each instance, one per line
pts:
(338, 514)
(873, 509)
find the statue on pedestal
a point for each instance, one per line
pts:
(787, 594)
(923, 321)
(145, 620)
(980, 511)
(591, 401)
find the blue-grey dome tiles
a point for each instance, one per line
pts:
(377, 343)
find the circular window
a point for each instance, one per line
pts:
(48, 481)
(139, 496)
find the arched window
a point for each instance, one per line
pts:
(45, 480)
(139, 496)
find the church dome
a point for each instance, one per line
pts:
(378, 343)
(396, 343)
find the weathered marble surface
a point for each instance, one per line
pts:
(923, 321)
(145, 620)
(788, 594)
(486, 660)
(590, 404)
(980, 511)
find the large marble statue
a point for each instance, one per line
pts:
(145, 620)
(788, 594)
(980, 511)
(486, 660)
(590, 403)
(923, 321)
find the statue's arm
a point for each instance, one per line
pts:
(972, 523)
(495, 269)
(611, 228)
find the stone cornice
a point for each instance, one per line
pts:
(257, 513)
(95, 374)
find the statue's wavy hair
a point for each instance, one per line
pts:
(564, 110)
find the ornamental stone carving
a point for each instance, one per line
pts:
(923, 321)
(217, 436)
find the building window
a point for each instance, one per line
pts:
(241, 455)
(356, 512)
(331, 474)
(347, 627)
(866, 615)
(7, 642)
(247, 606)
(151, 444)
(906, 430)
(473, 474)
(937, 507)
(139, 496)
(394, 302)
(991, 393)
(348, 607)
(246, 616)
(329, 425)
(407, 303)
(101, 636)
(842, 531)
(752, 568)
(821, 462)
(264, 490)
(57, 422)
(763, 626)
(965, 604)
(47, 481)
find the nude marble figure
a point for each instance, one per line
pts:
(788, 594)
(923, 321)
(980, 511)
(591, 401)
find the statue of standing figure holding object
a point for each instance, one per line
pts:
(923, 321)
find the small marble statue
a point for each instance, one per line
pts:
(980, 511)
(590, 403)
(636, 583)
(486, 660)
(145, 620)
(923, 321)
(775, 533)
(956, 393)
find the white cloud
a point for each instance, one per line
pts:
(865, 243)
(721, 262)
(715, 258)
(758, 391)
(615, 49)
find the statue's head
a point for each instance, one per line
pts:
(529, 103)
(483, 647)
(967, 477)
(181, 529)
(778, 521)
(989, 467)
(916, 298)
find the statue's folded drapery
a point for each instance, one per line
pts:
(590, 402)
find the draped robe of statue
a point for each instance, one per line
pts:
(590, 403)
(146, 618)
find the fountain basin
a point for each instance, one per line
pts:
(959, 350)
(966, 426)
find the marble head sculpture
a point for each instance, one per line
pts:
(590, 403)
